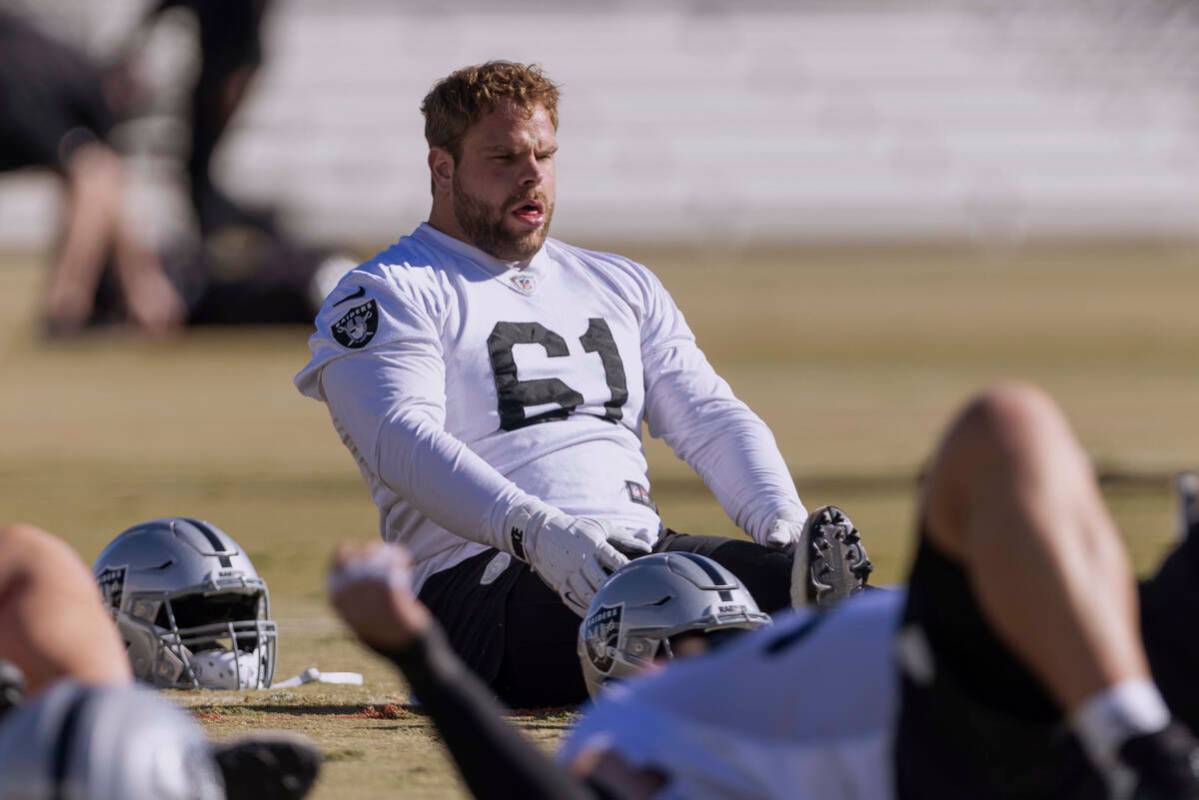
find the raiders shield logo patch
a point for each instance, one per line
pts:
(601, 633)
(357, 326)
(112, 586)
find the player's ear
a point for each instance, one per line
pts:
(441, 168)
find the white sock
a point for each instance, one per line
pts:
(1109, 718)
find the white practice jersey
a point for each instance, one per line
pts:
(801, 710)
(463, 386)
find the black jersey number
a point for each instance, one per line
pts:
(516, 395)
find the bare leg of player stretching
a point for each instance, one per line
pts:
(1024, 590)
(1013, 498)
(52, 622)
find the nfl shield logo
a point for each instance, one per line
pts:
(523, 283)
(640, 495)
(357, 326)
(601, 633)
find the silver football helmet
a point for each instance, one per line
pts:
(104, 743)
(190, 606)
(650, 601)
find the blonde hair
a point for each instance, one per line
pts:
(456, 102)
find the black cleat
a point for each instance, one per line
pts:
(834, 563)
(268, 766)
(12, 687)
(1166, 764)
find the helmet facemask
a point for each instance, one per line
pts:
(218, 637)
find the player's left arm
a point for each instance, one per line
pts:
(696, 413)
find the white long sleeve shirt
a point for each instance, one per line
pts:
(463, 386)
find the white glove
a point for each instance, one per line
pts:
(785, 529)
(638, 542)
(571, 554)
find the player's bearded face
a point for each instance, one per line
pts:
(489, 225)
(503, 184)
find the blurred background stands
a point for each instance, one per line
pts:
(763, 121)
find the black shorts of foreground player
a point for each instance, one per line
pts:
(1011, 667)
(492, 382)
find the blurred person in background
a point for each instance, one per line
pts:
(246, 267)
(58, 109)
(54, 114)
(230, 49)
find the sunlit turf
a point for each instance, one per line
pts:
(855, 358)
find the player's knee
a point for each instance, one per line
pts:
(20, 541)
(14, 532)
(1002, 428)
(1007, 417)
(28, 550)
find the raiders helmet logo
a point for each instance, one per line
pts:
(357, 326)
(601, 633)
(112, 586)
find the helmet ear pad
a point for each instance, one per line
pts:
(659, 607)
(152, 660)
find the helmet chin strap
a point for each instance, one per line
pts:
(225, 669)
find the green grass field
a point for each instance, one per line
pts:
(855, 358)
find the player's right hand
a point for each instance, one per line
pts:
(571, 554)
(785, 529)
(632, 542)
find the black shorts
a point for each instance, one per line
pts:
(1169, 608)
(982, 727)
(230, 30)
(519, 637)
(51, 99)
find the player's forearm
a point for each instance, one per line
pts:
(389, 415)
(495, 759)
(741, 464)
(446, 481)
(726, 443)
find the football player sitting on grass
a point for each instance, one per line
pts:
(491, 382)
